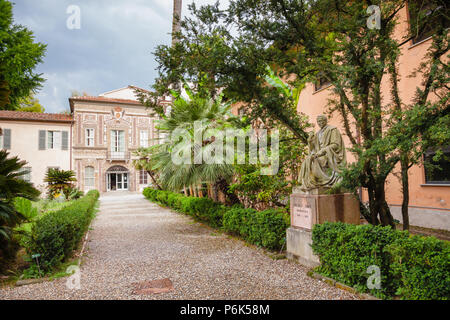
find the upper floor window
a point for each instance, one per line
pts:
(424, 17)
(5, 139)
(54, 140)
(89, 177)
(90, 137)
(26, 174)
(118, 141)
(437, 171)
(143, 138)
(143, 177)
(321, 83)
(58, 140)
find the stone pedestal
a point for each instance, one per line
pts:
(308, 209)
(298, 247)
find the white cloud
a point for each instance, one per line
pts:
(111, 50)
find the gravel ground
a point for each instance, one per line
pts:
(134, 240)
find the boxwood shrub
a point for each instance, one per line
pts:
(266, 228)
(55, 236)
(411, 267)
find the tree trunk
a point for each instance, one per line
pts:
(195, 190)
(223, 185)
(153, 179)
(405, 190)
(372, 209)
(215, 197)
(382, 207)
(176, 17)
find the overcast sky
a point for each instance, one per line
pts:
(112, 49)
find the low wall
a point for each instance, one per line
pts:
(424, 217)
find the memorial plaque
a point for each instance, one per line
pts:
(302, 215)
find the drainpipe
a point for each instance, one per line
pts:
(360, 191)
(70, 147)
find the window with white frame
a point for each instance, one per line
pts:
(90, 137)
(54, 140)
(117, 140)
(26, 174)
(143, 177)
(144, 138)
(89, 177)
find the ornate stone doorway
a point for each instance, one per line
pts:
(117, 178)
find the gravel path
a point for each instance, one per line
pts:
(134, 240)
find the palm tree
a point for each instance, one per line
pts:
(212, 115)
(11, 186)
(176, 16)
(59, 181)
(143, 163)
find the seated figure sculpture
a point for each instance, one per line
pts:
(326, 157)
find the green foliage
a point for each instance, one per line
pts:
(306, 41)
(74, 194)
(56, 235)
(421, 266)
(412, 267)
(237, 64)
(262, 228)
(202, 209)
(260, 191)
(264, 191)
(19, 55)
(30, 104)
(25, 207)
(11, 187)
(201, 113)
(59, 181)
(32, 211)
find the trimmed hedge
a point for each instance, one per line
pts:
(265, 228)
(412, 267)
(55, 236)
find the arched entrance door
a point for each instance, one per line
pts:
(117, 178)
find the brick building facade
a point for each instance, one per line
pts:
(96, 141)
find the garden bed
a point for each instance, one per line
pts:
(410, 266)
(265, 229)
(53, 234)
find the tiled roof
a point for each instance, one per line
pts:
(34, 116)
(102, 99)
(105, 99)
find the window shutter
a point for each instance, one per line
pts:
(42, 139)
(7, 138)
(121, 141)
(65, 140)
(57, 140)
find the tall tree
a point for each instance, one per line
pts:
(312, 40)
(196, 116)
(176, 18)
(30, 104)
(19, 55)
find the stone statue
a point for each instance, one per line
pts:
(326, 157)
(168, 111)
